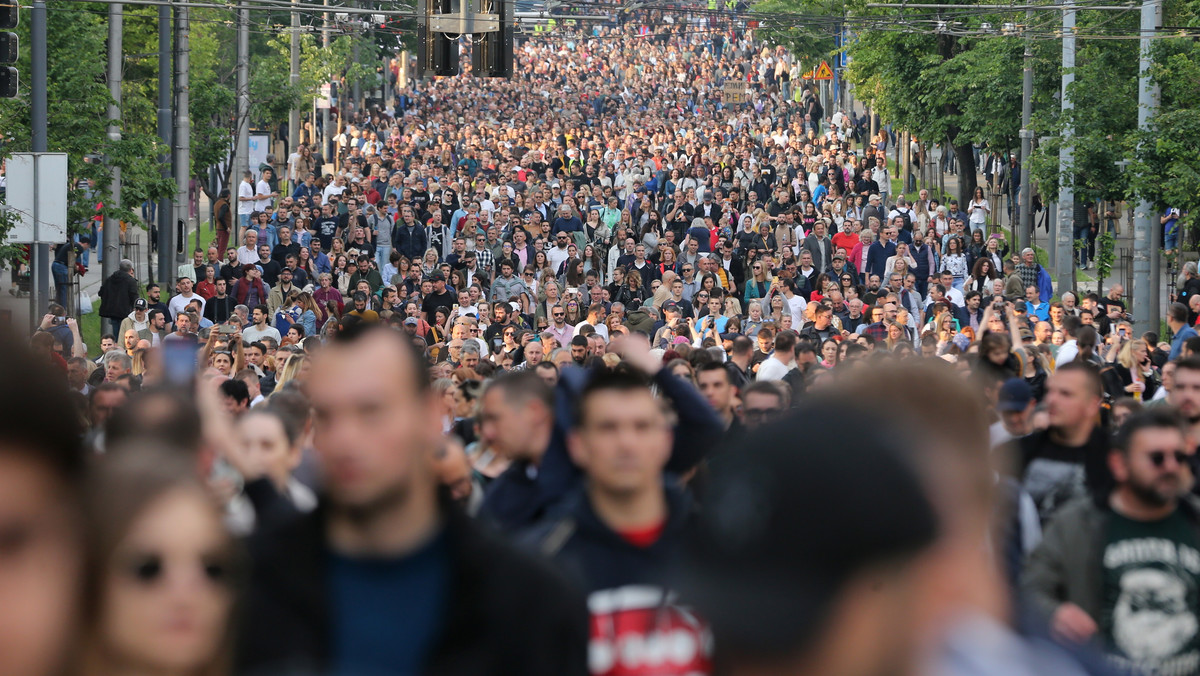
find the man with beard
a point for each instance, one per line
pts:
(1184, 391)
(1066, 460)
(385, 551)
(1126, 570)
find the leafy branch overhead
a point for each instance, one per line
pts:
(78, 92)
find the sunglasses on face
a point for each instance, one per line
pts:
(149, 569)
(1159, 458)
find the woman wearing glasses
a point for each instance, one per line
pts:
(759, 284)
(160, 588)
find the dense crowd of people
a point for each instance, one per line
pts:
(588, 372)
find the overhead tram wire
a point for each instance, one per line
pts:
(942, 19)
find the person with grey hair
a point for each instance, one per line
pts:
(470, 355)
(118, 294)
(116, 364)
(1189, 282)
(1070, 304)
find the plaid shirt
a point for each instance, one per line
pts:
(877, 331)
(484, 259)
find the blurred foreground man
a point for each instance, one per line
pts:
(383, 578)
(790, 585)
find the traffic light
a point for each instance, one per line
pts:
(437, 54)
(8, 48)
(492, 56)
(8, 14)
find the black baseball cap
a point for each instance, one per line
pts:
(786, 525)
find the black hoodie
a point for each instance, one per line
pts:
(628, 588)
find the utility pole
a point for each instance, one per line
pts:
(354, 56)
(166, 248)
(1025, 195)
(1147, 233)
(325, 136)
(241, 160)
(112, 226)
(183, 136)
(387, 81)
(294, 116)
(1065, 227)
(39, 253)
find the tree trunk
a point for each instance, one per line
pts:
(965, 154)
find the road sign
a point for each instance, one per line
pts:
(808, 75)
(37, 193)
(824, 72)
(323, 99)
(735, 92)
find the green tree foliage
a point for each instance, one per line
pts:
(78, 96)
(1103, 118)
(78, 99)
(1166, 168)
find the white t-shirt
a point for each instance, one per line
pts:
(773, 369)
(254, 333)
(797, 305)
(245, 190)
(601, 329)
(1067, 352)
(179, 304)
(263, 189)
(556, 257)
(332, 189)
(291, 163)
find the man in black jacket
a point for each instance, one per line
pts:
(117, 295)
(384, 577)
(528, 426)
(617, 533)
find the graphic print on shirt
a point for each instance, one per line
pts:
(639, 630)
(1151, 604)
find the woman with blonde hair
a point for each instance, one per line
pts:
(921, 216)
(1132, 373)
(295, 368)
(429, 261)
(754, 319)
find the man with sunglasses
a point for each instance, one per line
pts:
(1066, 460)
(1125, 568)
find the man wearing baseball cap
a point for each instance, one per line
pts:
(1014, 404)
(802, 562)
(439, 298)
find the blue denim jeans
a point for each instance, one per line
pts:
(61, 280)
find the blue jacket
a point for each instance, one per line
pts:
(522, 495)
(877, 257)
(1045, 286)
